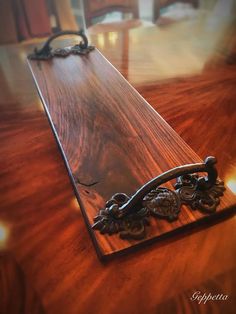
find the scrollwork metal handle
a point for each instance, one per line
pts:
(129, 215)
(46, 52)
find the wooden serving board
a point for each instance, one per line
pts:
(111, 140)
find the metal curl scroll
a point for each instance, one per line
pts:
(129, 216)
(47, 52)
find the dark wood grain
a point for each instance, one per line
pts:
(47, 235)
(110, 143)
(198, 98)
(213, 123)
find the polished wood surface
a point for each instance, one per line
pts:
(17, 295)
(198, 93)
(110, 143)
(41, 226)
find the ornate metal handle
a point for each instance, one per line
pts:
(129, 215)
(46, 52)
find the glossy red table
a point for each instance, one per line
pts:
(48, 262)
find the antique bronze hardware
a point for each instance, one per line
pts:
(128, 216)
(46, 52)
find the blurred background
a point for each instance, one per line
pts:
(180, 55)
(21, 20)
(200, 32)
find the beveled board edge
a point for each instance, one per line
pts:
(91, 232)
(106, 256)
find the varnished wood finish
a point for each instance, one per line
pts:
(17, 295)
(196, 97)
(110, 143)
(213, 96)
(46, 234)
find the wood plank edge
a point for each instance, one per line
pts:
(108, 256)
(182, 231)
(91, 232)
